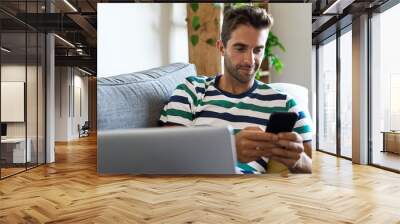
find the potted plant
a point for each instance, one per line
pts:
(270, 58)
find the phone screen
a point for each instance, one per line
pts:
(281, 122)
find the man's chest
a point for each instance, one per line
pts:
(237, 113)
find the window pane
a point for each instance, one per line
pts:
(13, 87)
(346, 94)
(386, 89)
(327, 97)
(41, 98)
(31, 97)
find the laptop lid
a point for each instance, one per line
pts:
(173, 150)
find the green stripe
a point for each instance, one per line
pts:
(244, 106)
(263, 87)
(303, 129)
(245, 166)
(290, 103)
(192, 79)
(179, 113)
(188, 91)
(235, 131)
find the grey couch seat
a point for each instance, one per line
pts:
(135, 100)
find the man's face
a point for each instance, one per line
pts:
(244, 52)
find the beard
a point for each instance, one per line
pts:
(242, 76)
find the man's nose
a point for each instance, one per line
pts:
(249, 58)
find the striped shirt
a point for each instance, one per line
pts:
(199, 101)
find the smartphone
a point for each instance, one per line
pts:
(281, 122)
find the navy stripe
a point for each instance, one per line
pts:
(301, 115)
(200, 90)
(209, 78)
(269, 97)
(168, 123)
(262, 163)
(257, 96)
(246, 172)
(179, 99)
(213, 93)
(231, 118)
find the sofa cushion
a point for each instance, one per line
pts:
(135, 100)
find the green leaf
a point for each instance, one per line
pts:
(273, 42)
(194, 6)
(258, 74)
(276, 63)
(194, 39)
(196, 22)
(239, 4)
(210, 41)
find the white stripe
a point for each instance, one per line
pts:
(303, 122)
(256, 166)
(176, 119)
(247, 100)
(222, 123)
(306, 136)
(238, 170)
(234, 111)
(178, 106)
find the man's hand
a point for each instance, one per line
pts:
(289, 148)
(252, 143)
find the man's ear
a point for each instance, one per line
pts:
(220, 47)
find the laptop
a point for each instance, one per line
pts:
(172, 150)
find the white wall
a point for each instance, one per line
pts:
(67, 116)
(33, 126)
(292, 24)
(61, 103)
(16, 73)
(140, 36)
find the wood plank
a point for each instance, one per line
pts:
(71, 191)
(206, 58)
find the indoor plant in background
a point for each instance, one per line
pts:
(271, 60)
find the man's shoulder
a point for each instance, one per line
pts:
(199, 80)
(266, 89)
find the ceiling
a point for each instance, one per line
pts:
(76, 22)
(77, 25)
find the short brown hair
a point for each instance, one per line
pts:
(246, 15)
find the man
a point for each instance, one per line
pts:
(237, 99)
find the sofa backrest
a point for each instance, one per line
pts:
(135, 100)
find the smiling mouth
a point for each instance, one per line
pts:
(246, 69)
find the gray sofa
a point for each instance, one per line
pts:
(134, 100)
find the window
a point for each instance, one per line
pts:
(346, 94)
(327, 97)
(22, 66)
(385, 89)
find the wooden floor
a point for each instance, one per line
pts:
(70, 191)
(387, 159)
(10, 171)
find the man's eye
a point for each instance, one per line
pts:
(240, 49)
(257, 51)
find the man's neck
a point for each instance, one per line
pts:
(229, 84)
